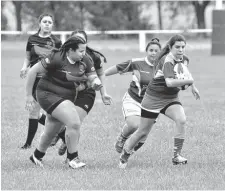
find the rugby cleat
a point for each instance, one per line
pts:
(36, 161)
(120, 143)
(75, 163)
(124, 159)
(179, 160)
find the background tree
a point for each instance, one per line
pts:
(159, 15)
(200, 7)
(3, 18)
(18, 8)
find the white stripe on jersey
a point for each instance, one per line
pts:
(137, 81)
(158, 74)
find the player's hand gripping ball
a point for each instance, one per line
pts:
(181, 72)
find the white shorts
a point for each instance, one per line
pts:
(130, 107)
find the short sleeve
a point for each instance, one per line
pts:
(50, 63)
(168, 70)
(97, 61)
(29, 45)
(90, 69)
(125, 67)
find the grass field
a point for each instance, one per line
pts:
(150, 168)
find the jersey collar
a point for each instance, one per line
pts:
(70, 61)
(149, 63)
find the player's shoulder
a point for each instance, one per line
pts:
(33, 37)
(186, 58)
(55, 57)
(168, 58)
(87, 59)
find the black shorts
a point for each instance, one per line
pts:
(85, 99)
(153, 115)
(50, 95)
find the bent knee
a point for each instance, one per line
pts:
(133, 127)
(74, 125)
(181, 121)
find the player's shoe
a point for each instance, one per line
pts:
(124, 159)
(179, 160)
(36, 161)
(62, 149)
(75, 163)
(120, 141)
(26, 146)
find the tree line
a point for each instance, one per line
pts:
(100, 15)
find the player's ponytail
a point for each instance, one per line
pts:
(153, 41)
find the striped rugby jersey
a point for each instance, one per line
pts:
(142, 73)
(165, 69)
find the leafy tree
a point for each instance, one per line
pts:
(115, 15)
(18, 8)
(200, 7)
(3, 18)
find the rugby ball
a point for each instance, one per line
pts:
(181, 72)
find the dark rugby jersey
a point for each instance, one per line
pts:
(165, 69)
(96, 59)
(142, 71)
(64, 74)
(40, 47)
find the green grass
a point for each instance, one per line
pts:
(151, 167)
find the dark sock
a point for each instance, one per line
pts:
(32, 129)
(138, 146)
(62, 135)
(41, 120)
(71, 156)
(38, 154)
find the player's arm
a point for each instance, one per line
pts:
(107, 100)
(93, 80)
(121, 68)
(169, 77)
(194, 89)
(25, 66)
(32, 74)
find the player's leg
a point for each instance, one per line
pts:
(146, 123)
(177, 114)
(52, 127)
(84, 103)
(32, 125)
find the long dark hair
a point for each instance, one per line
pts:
(91, 50)
(169, 45)
(73, 43)
(42, 16)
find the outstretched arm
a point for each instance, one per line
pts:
(32, 74)
(26, 63)
(107, 99)
(111, 71)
